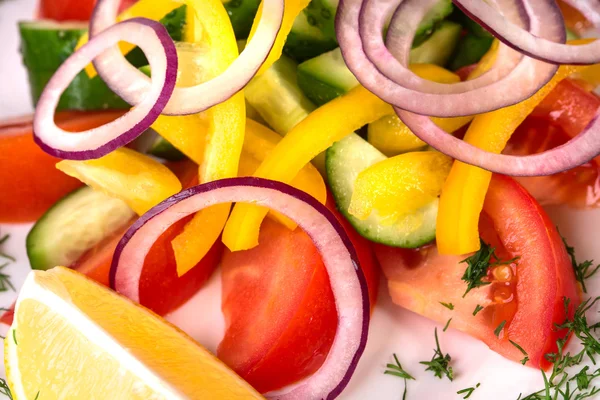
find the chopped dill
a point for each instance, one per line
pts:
(440, 362)
(468, 391)
(397, 370)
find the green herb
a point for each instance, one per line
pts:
(4, 389)
(3, 240)
(5, 282)
(498, 330)
(468, 391)
(449, 306)
(479, 264)
(526, 358)
(15, 336)
(440, 362)
(447, 324)
(37, 395)
(561, 382)
(397, 370)
(477, 309)
(582, 270)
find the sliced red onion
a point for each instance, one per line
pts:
(575, 152)
(339, 257)
(158, 47)
(132, 85)
(589, 8)
(410, 93)
(543, 13)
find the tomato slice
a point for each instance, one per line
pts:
(565, 112)
(72, 10)
(161, 290)
(29, 180)
(278, 305)
(528, 294)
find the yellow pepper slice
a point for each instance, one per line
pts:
(226, 124)
(136, 179)
(392, 137)
(290, 11)
(151, 9)
(465, 189)
(399, 185)
(323, 127)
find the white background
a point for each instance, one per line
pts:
(393, 330)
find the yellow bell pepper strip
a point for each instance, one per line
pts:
(291, 10)
(151, 9)
(138, 180)
(258, 144)
(323, 127)
(399, 185)
(390, 136)
(464, 192)
(226, 125)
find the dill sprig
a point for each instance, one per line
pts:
(468, 391)
(477, 309)
(5, 282)
(449, 306)
(397, 370)
(3, 240)
(582, 270)
(526, 358)
(4, 389)
(499, 329)
(561, 382)
(478, 265)
(447, 325)
(440, 362)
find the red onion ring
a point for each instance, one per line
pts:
(158, 47)
(575, 152)
(339, 256)
(589, 8)
(522, 82)
(132, 85)
(543, 13)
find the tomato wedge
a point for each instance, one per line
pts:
(29, 181)
(527, 294)
(72, 10)
(279, 309)
(564, 113)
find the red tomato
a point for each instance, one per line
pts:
(528, 294)
(160, 288)
(279, 309)
(29, 180)
(72, 10)
(565, 112)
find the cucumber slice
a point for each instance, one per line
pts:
(241, 13)
(277, 97)
(344, 161)
(469, 50)
(431, 21)
(439, 47)
(45, 45)
(325, 77)
(73, 225)
(306, 40)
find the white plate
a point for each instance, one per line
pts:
(392, 330)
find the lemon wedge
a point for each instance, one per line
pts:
(74, 339)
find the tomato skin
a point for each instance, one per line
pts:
(516, 225)
(72, 10)
(279, 308)
(563, 114)
(29, 180)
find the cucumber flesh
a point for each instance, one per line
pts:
(277, 97)
(73, 225)
(307, 41)
(241, 13)
(438, 49)
(432, 19)
(344, 161)
(325, 77)
(469, 50)
(45, 45)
